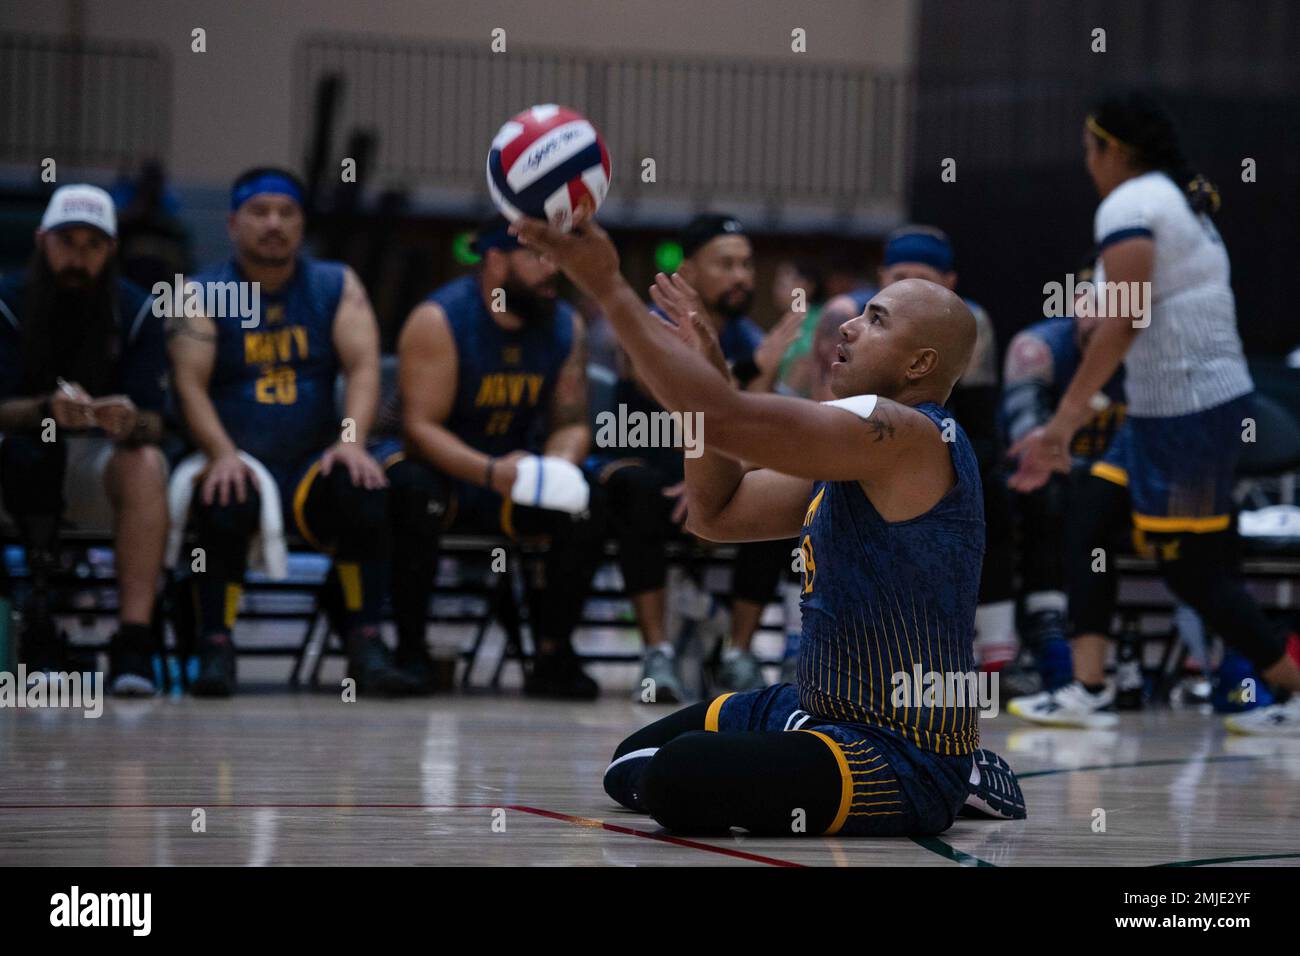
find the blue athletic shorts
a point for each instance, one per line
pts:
(1179, 471)
(890, 786)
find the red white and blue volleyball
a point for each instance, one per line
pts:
(545, 162)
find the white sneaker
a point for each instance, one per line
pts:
(1069, 706)
(1277, 720)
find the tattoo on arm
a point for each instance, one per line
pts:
(569, 404)
(880, 425)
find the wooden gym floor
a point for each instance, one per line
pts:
(479, 779)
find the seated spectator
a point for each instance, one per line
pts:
(1040, 362)
(645, 485)
(492, 410)
(82, 366)
(257, 394)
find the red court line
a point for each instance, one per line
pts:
(536, 811)
(662, 837)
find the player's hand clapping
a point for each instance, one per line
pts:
(777, 342)
(1043, 451)
(678, 300)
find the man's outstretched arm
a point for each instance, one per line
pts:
(790, 435)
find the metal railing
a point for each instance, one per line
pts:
(83, 102)
(771, 132)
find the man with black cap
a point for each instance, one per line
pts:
(258, 396)
(645, 485)
(492, 410)
(82, 370)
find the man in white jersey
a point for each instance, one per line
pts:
(1168, 315)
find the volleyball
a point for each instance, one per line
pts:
(545, 162)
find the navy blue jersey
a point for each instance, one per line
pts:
(882, 599)
(136, 366)
(1059, 335)
(739, 338)
(273, 383)
(504, 379)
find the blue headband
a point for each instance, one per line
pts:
(920, 247)
(265, 183)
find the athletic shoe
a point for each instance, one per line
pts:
(740, 672)
(417, 664)
(662, 670)
(559, 676)
(130, 658)
(1070, 706)
(1020, 678)
(215, 671)
(1278, 720)
(1229, 693)
(370, 664)
(994, 792)
(623, 778)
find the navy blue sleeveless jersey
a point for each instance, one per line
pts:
(135, 367)
(273, 383)
(504, 379)
(882, 599)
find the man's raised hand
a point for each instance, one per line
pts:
(585, 254)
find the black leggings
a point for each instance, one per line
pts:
(1202, 570)
(422, 499)
(641, 521)
(698, 781)
(1043, 517)
(31, 481)
(349, 521)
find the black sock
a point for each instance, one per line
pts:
(771, 783)
(1094, 688)
(137, 638)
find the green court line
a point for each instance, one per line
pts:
(1136, 763)
(935, 845)
(1231, 859)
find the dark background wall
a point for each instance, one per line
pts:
(1003, 87)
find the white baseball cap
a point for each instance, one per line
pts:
(81, 205)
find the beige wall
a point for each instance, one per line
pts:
(238, 92)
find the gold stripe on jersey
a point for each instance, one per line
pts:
(847, 674)
(846, 781)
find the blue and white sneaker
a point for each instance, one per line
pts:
(1068, 706)
(994, 792)
(1277, 720)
